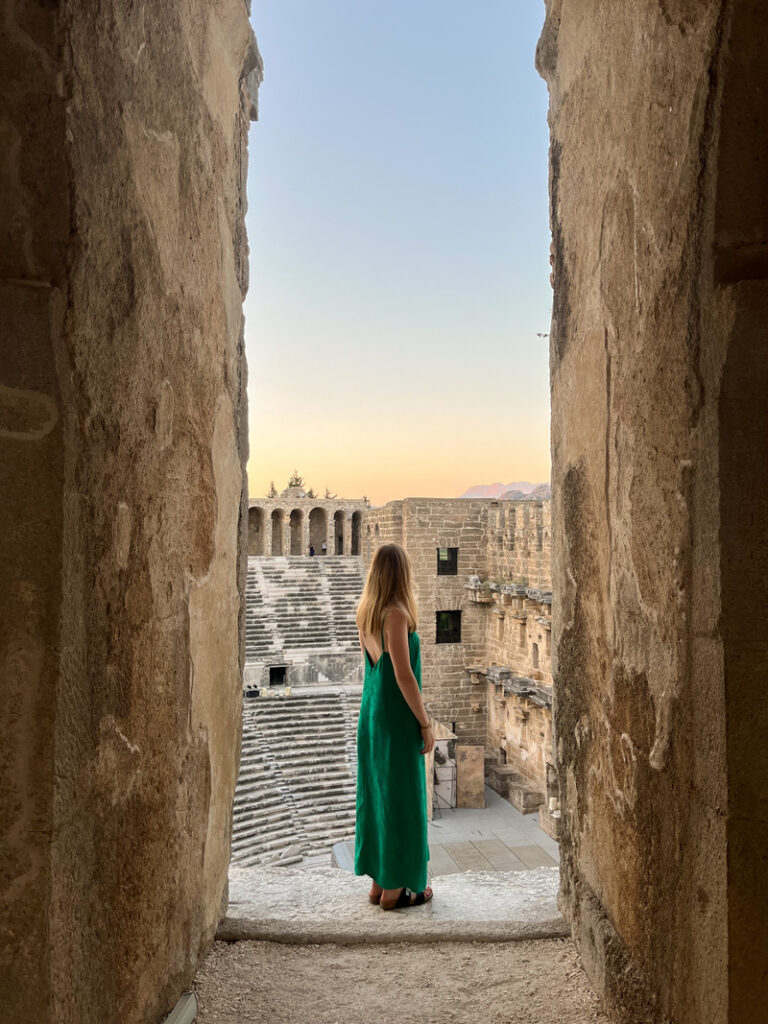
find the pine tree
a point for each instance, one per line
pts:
(272, 492)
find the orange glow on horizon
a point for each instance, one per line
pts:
(426, 470)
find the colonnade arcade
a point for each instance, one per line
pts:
(287, 525)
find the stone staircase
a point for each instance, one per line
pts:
(295, 795)
(300, 604)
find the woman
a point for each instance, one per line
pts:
(392, 735)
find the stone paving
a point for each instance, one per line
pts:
(496, 837)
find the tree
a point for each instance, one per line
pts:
(328, 493)
(296, 480)
(311, 493)
(272, 492)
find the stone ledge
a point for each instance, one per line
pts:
(295, 905)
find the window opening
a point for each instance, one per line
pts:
(448, 629)
(447, 561)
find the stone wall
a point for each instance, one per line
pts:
(521, 727)
(518, 632)
(520, 542)
(660, 514)
(502, 536)
(122, 401)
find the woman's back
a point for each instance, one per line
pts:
(391, 827)
(376, 644)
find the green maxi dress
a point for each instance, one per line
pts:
(391, 821)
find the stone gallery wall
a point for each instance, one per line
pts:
(518, 633)
(520, 542)
(502, 535)
(123, 263)
(285, 525)
(659, 380)
(523, 730)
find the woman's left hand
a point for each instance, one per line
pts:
(428, 738)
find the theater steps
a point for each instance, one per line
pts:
(295, 795)
(298, 605)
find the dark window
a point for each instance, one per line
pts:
(447, 561)
(277, 675)
(448, 628)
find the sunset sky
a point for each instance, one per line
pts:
(399, 241)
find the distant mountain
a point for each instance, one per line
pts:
(541, 492)
(497, 489)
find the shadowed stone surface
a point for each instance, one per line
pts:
(660, 497)
(123, 265)
(329, 905)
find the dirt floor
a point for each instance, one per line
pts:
(537, 982)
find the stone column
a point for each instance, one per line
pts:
(347, 533)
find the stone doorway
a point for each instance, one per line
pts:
(297, 532)
(318, 530)
(278, 527)
(255, 531)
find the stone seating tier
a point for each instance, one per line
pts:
(301, 604)
(295, 794)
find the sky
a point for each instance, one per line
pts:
(399, 247)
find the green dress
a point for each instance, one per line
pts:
(391, 821)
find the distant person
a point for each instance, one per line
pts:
(311, 550)
(393, 733)
(325, 546)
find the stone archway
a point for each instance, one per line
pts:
(297, 532)
(278, 528)
(318, 530)
(355, 540)
(255, 530)
(338, 532)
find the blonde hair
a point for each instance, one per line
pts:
(389, 583)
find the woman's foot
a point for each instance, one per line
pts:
(395, 899)
(375, 894)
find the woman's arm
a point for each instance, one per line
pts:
(396, 639)
(362, 647)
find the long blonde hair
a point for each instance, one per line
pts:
(389, 582)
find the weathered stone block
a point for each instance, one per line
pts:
(470, 776)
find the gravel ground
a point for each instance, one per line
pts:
(537, 982)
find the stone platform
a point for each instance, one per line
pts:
(296, 905)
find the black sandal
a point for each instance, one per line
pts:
(404, 900)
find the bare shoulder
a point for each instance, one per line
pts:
(396, 618)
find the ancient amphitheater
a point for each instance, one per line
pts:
(482, 565)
